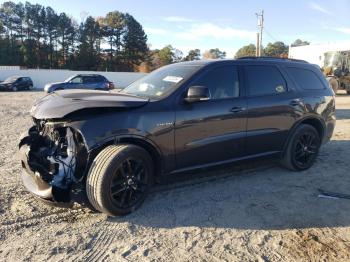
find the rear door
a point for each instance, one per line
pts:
(273, 106)
(89, 82)
(214, 130)
(20, 83)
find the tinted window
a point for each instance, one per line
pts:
(222, 82)
(89, 79)
(306, 79)
(100, 78)
(264, 80)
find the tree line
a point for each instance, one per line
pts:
(36, 36)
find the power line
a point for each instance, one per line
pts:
(271, 36)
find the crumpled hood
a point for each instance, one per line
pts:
(63, 102)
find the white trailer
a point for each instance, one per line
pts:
(333, 58)
(314, 53)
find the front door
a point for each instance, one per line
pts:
(211, 131)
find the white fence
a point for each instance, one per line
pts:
(41, 77)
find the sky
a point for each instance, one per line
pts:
(224, 24)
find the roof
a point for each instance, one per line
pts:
(245, 59)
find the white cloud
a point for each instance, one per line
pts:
(345, 30)
(204, 30)
(178, 19)
(155, 31)
(319, 8)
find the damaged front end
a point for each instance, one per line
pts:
(53, 156)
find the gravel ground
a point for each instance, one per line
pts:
(264, 213)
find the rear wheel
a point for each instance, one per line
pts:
(302, 148)
(348, 92)
(119, 179)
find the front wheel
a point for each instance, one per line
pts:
(14, 89)
(119, 179)
(302, 149)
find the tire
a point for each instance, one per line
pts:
(334, 84)
(348, 92)
(301, 154)
(117, 164)
(14, 89)
(30, 87)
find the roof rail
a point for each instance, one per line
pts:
(272, 58)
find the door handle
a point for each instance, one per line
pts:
(237, 109)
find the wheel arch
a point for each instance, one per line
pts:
(142, 142)
(313, 121)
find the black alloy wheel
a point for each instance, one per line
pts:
(306, 149)
(129, 183)
(119, 179)
(302, 148)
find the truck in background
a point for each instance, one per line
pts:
(333, 59)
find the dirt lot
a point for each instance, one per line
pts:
(261, 214)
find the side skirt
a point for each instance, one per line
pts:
(229, 161)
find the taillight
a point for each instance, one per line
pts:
(110, 85)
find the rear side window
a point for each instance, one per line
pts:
(89, 79)
(100, 79)
(264, 80)
(306, 79)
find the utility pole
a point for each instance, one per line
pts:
(257, 44)
(260, 17)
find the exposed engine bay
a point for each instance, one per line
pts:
(54, 157)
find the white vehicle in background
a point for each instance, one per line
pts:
(333, 58)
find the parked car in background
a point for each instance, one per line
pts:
(15, 83)
(178, 118)
(81, 81)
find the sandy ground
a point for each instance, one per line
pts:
(262, 214)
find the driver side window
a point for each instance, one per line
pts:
(222, 82)
(77, 80)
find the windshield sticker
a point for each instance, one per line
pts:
(173, 79)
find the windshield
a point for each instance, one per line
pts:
(161, 81)
(11, 79)
(332, 59)
(69, 78)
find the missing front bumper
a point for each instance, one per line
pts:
(45, 172)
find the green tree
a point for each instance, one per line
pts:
(214, 54)
(248, 50)
(194, 54)
(299, 42)
(66, 33)
(276, 49)
(135, 43)
(51, 32)
(88, 49)
(113, 28)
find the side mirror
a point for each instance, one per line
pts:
(197, 93)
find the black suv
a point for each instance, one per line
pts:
(178, 118)
(15, 83)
